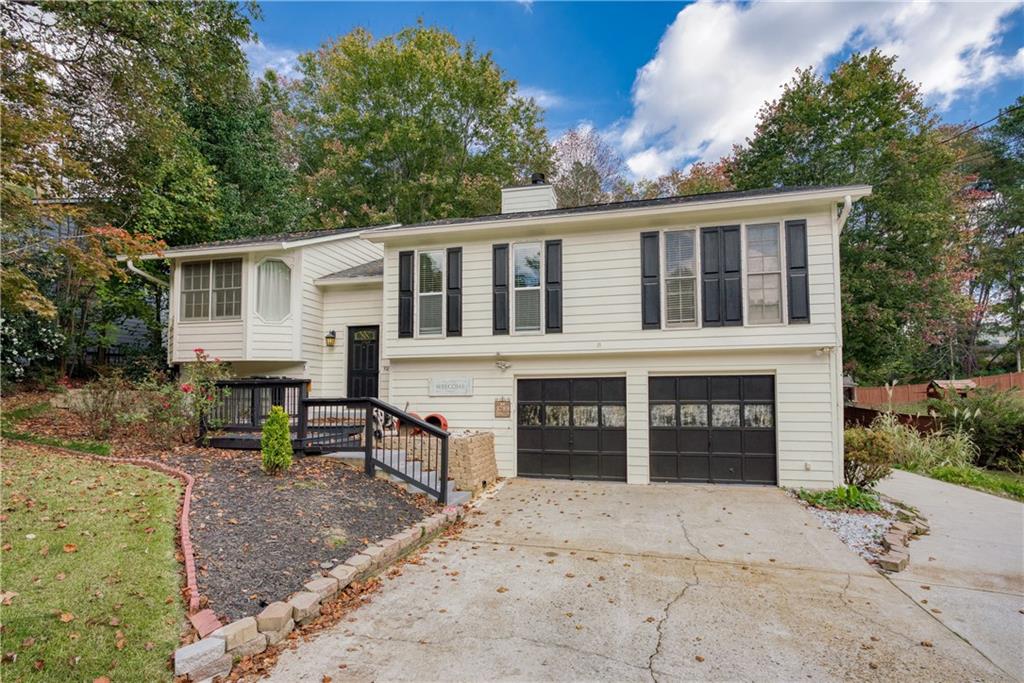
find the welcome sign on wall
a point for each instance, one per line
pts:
(450, 386)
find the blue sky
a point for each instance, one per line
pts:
(670, 83)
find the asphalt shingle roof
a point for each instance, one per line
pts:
(369, 269)
(262, 239)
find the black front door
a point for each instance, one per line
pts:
(363, 366)
(572, 428)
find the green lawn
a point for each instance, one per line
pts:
(89, 576)
(998, 482)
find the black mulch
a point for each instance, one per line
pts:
(258, 538)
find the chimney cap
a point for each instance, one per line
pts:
(537, 179)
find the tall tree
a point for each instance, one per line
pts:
(410, 127)
(902, 251)
(586, 168)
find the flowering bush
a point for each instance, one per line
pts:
(200, 388)
(26, 341)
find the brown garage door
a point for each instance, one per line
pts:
(713, 429)
(572, 428)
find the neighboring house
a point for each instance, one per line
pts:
(683, 339)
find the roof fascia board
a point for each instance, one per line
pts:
(252, 246)
(808, 196)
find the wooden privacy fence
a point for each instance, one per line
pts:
(912, 393)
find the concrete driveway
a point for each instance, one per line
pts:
(969, 570)
(592, 581)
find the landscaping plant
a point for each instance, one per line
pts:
(276, 442)
(994, 420)
(868, 456)
(850, 497)
(104, 404)
(200, 387)
(915, 451)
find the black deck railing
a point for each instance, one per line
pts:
(388, 438)
(243, 404)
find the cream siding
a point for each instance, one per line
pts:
(804, 418)
(345, 307)
(601, 301)
(268, 340)
(317, 261)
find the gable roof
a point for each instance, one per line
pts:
(284, 240)
(681, 200)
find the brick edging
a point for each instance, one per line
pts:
(184, 538)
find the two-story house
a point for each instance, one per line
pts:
(683, 339)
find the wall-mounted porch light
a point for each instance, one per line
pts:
(330, 338)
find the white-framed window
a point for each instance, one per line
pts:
(273, 290)
(200, 300)
(680, 257)
(526, 286)
(764, 273)
(430, 292)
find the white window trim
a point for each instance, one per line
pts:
(783, 292)
(662, 276)
(512, 290)
(211, 316)
(416, 291)
(291, 291)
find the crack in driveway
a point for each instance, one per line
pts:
(664, 618)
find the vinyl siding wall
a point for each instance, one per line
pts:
(601, 300)
(808, 453)
(345, 307)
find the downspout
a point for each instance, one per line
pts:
(845, 213)
(146, 276)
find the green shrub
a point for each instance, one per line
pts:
(994, 420)
(868, 456)
(276, 442)
(842, 498)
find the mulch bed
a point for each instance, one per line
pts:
(258, 538)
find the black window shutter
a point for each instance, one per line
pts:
(453, 294)
(650, 281)
(499, 313)
(405, 293)
(721, 276)
(553, 286)
(796, 272)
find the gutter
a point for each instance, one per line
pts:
(845, 213)
(146, 276)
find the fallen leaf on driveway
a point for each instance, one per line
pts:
(502, 589)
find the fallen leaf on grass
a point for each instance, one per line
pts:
(70, 548)
(67, 617)
(6, 597)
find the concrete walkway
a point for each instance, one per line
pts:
(557, 580)
(969, 570)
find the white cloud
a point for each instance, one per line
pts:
(546, 99)
(527, 5)
(262, 57)
(718, 63)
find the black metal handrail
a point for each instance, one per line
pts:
(389, 438)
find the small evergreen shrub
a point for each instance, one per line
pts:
(276, 442)
(868, 456)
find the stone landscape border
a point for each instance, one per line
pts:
(896, 541)
(220, 646)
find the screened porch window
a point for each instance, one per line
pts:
(431, 295)
(527, 294)
(681, 277)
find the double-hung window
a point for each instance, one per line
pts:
(764, 274)
(681, 277)
(431, 292)
(200, 300)
(526, 294)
